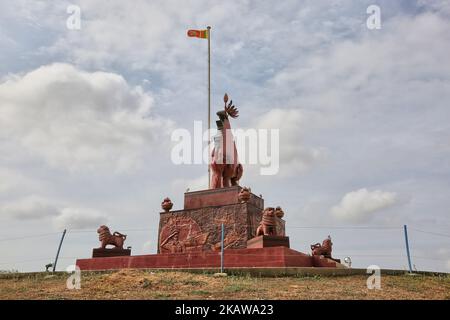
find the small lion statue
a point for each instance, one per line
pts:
(267, 226)
(116, 239)
(323, 249)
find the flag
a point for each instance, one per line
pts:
(198, 34)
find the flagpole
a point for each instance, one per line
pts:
(209, 104)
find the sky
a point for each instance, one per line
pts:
(86, 118)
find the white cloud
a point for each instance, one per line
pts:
(442, 7)
(295, 155)
(358, 206)
(372, 70)
(79, 218)
(195, 184)
(31, 207)
(78, 120)
(63, 216)
(11, 180)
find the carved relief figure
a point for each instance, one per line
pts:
(172, 244)
(267, 226)
(224, 164)
(181, 234)
(323, 249)
(231, 238)
(106, 238)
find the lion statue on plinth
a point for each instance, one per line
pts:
(323, 249)
(116, 239)
(267, 226)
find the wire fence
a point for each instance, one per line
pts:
(395, 253)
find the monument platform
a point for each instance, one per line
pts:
(223, 218)
(273, 257)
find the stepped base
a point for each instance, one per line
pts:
(274, 257)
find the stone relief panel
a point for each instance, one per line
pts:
(181, 234)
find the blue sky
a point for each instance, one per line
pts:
(86, 117)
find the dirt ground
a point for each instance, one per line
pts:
(137, 284)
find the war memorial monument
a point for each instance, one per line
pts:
(224, 226)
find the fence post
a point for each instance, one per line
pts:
(222, 249)
(405, 229)
(59, 249)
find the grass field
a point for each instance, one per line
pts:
(142, 284)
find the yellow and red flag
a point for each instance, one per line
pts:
(198, 34)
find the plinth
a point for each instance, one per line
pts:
(198, 226)
(268, 241)
(113, 252)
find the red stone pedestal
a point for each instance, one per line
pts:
(198, 226)
(268, 241)
(218, 197)
(113, 252)
(275, 257)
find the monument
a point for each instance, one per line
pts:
(254, 235)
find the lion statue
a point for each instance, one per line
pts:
(116, 239)
(323, 249)
(267, 226)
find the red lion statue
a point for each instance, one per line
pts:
(116, 239)
(323, 249)
(267, 226)
(225, 166)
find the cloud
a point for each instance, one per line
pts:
(12, 181)
(372, 70)
(79, 218)
(63, 216)
(359, 206)
(79, 120)
(194, 184)
(29, 208)
(439, 6)
(295, 155)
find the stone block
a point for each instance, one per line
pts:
(268, 241)
(113, 252)
(198, 226)
(218, 197)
